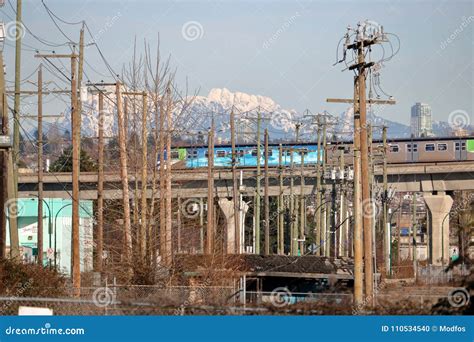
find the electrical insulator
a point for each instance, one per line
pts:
(350, 174)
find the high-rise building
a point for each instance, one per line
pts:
(421, 123)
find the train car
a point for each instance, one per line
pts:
(247, 155)
(413, 150)
(399, 151)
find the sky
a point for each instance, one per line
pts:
(281, 49)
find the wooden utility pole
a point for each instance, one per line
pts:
(16, 105)
(143, 218)
(100, 189)
(161, 148)
(358, 228)
(359, 238)
(76, 141)
(318, 239)
(281, 205)
(3, 163)
(387, 239)
(169, 126)
(210, 191)
(40, 167)
(8, 188)
(366, 196)
(293, 240)
(124, 175)
(324, 218)
(266, 196)
(302, 207)
(235, 185)
(257, 189)
(343, 233)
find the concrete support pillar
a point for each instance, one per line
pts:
(439, 207)
(227, 207)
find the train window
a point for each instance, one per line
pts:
(220, 153)
(394, 148)
(174, 154)
(241, 153)
(429, 147)
(415, 147)
(457, 146)
(254, 152)
(192, 154)
(463, 146)
(206, 154)
(408, 147)
(303, 151)
(442, 147)
(270, 153)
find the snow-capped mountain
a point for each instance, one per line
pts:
(219, 103)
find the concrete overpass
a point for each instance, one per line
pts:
(432, 179)
(414, 177)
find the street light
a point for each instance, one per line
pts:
(49, 217)
(55, 230)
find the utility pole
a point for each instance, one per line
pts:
(100, 188)
(386, 226)
(281, 205)
(413, 237)
(124, 176)
(257, 193)
(366, 196)
(324, 218)
(343, 233)
(235, 189)
(76, 141)
(266, 196)
(4, 153)
(210, 191)
(318, 239)
(9, 188)
(293, 239)
(358, 228)
(302, 207)
(143, 218)
(16, 105)
(40, 167)
(169, 126)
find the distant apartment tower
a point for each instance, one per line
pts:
(421, 124)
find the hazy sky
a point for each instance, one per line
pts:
(281, 49)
